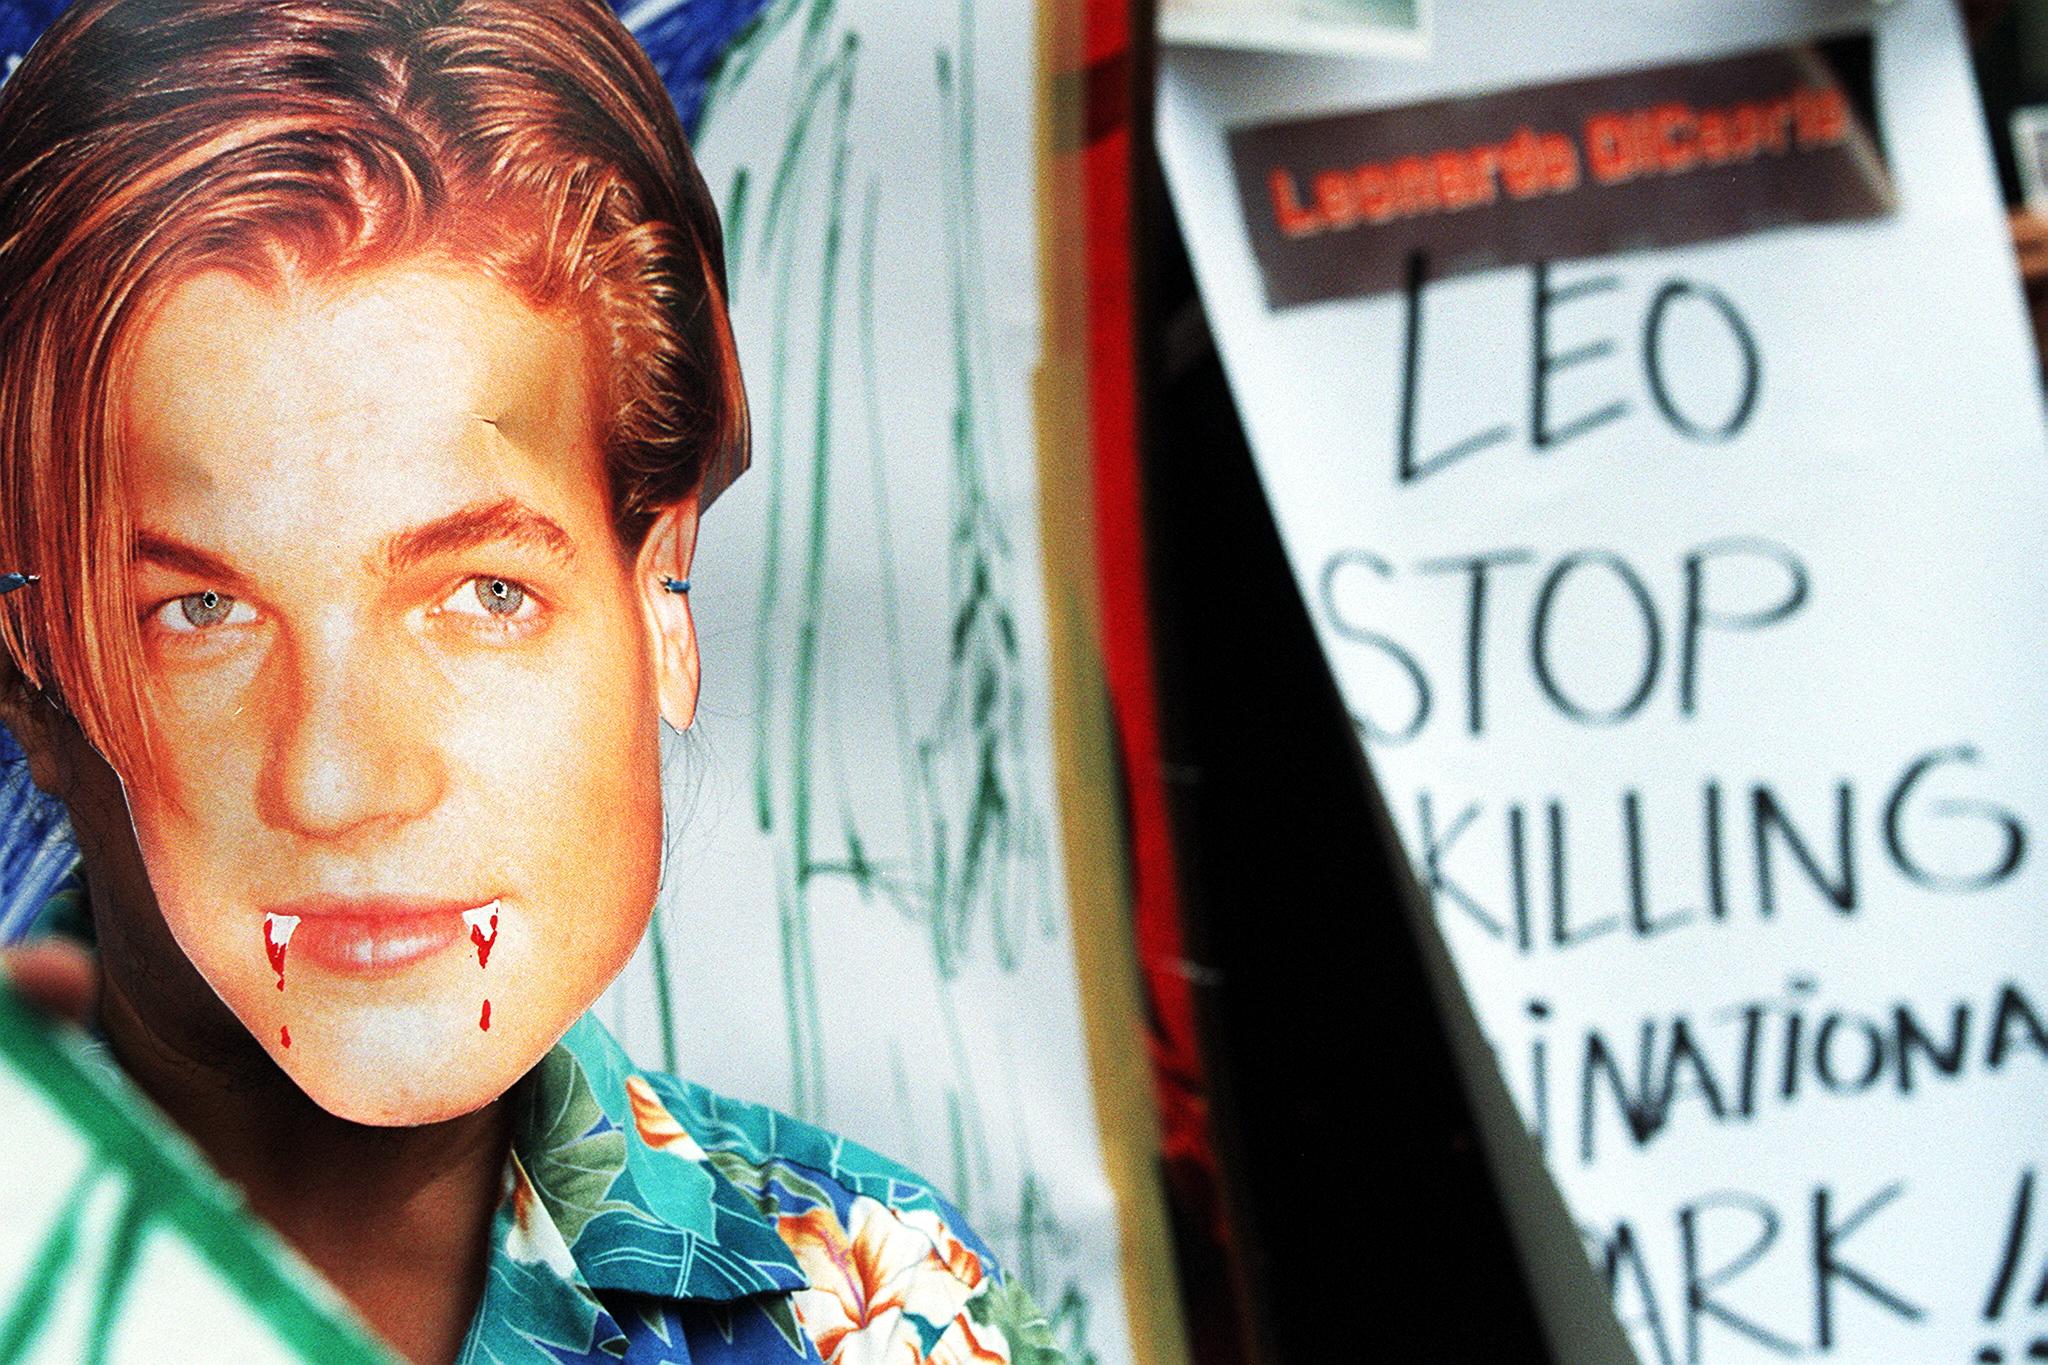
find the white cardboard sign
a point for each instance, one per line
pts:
(1720, 752)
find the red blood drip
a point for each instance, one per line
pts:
(485, 1022)
(275, 951)
(484, 944)
(284, 1035)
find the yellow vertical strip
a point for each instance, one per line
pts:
(1105, 952)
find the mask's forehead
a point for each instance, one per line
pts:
(417, 379)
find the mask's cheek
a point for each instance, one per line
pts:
(201, 912)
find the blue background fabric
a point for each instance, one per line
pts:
(35, 844)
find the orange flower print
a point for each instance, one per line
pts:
(533, 1238)
(964, 1343)
(657, 1127)
(962, 1262)
(867, 1281)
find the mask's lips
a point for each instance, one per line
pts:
(371, 936)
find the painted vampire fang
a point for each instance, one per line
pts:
(484, 939)
(277, 937)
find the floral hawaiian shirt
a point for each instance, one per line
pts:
(646, 1219)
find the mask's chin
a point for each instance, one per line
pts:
(400, 1065)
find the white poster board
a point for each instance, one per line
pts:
(1728, 788)
(865, 918)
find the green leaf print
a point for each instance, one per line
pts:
(572, 1168)
(1009, 1309)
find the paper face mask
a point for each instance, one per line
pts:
(407, 374)
(403, 683)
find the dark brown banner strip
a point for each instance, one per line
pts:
(1337, 205)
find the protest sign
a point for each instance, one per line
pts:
(1677, 566)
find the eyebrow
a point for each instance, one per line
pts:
(467, 528)
(479, 524)
(154, 548)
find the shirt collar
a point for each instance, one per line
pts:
(643, 1209)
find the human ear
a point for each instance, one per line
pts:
(663, 563)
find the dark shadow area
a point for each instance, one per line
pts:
(1364, 1214)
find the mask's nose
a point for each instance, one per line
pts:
(350, 747)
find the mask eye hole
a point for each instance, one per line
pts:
(499, 597)
(490, 597)
(206, 610)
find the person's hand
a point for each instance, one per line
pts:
(54, 976)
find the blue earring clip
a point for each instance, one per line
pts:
(9, 582)
(675, 584)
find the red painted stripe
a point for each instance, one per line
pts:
(1120, 555)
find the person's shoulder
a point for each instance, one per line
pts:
(886, 1254)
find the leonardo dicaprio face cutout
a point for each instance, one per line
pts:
(406, 815)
